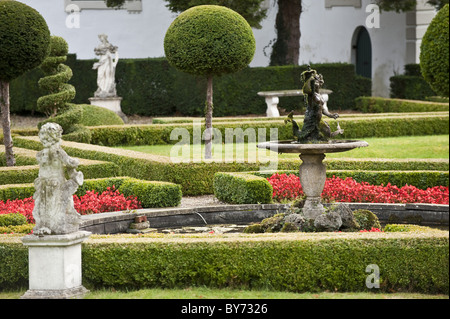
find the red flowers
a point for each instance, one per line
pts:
(91, 203)
(109, 201)
(348, 190)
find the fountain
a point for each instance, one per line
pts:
(312, 142)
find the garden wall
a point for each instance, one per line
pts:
(152, 87)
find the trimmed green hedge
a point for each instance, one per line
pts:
(411, 85)
(239, 188)
(382, 105)
(287, 262)
(150, 194)
(27, 174)
(359, 127)
(166, 91)
(197, 178)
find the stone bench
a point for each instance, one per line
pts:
(273, 98)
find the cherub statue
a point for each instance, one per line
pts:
(314, 128)
(54, 210)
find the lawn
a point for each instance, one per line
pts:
(414, 147)
(208, 293)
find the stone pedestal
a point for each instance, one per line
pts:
(55, 266)
(272, 106)
(110, 103)
(312, 178)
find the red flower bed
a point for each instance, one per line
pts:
(91, 203)
(348, 190)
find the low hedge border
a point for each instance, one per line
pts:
(240, 188)
(150, 194)
(27, 174)
(367, 104)
(197, 178)
(285, 262)
(354, 127)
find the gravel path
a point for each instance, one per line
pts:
(200, 201)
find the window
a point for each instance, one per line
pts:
(342, 3)
(78, 5)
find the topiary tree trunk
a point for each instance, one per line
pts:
(209, 41)
(208, 118)
(6, 123)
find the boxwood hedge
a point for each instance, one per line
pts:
(408, 262)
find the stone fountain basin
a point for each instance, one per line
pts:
(334, 146)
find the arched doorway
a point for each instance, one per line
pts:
(362, 52)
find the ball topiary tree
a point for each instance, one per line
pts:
(24, 44)
(209, 41)
(434, 54)
(55, 81)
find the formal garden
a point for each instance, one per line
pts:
(383, 207)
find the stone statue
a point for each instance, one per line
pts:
(54, 210)
(314, 129)
(106, 68)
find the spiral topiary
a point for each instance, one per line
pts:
(55, 81)
(434, 54)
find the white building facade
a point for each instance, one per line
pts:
(348, 31)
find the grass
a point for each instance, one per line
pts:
(415, 147)
(208, 293)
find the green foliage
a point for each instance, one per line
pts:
(13, 219)
(59, 93)
(238, 188)
(17, 229)
(16, 191)
(24, 38)
(251, 10)
(390, 228)
(27, 174)
(353, 128)
(434, 55)
(77, 116)
(197, 178)
(152, 194)
(366, 219)
(14, 270)
(209, 40)
(272, 264)
(257, 263)
(166, 91)
(382, 105)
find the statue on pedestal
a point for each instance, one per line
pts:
(106, 68)
(54, 210)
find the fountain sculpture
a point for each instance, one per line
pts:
(312, 142)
